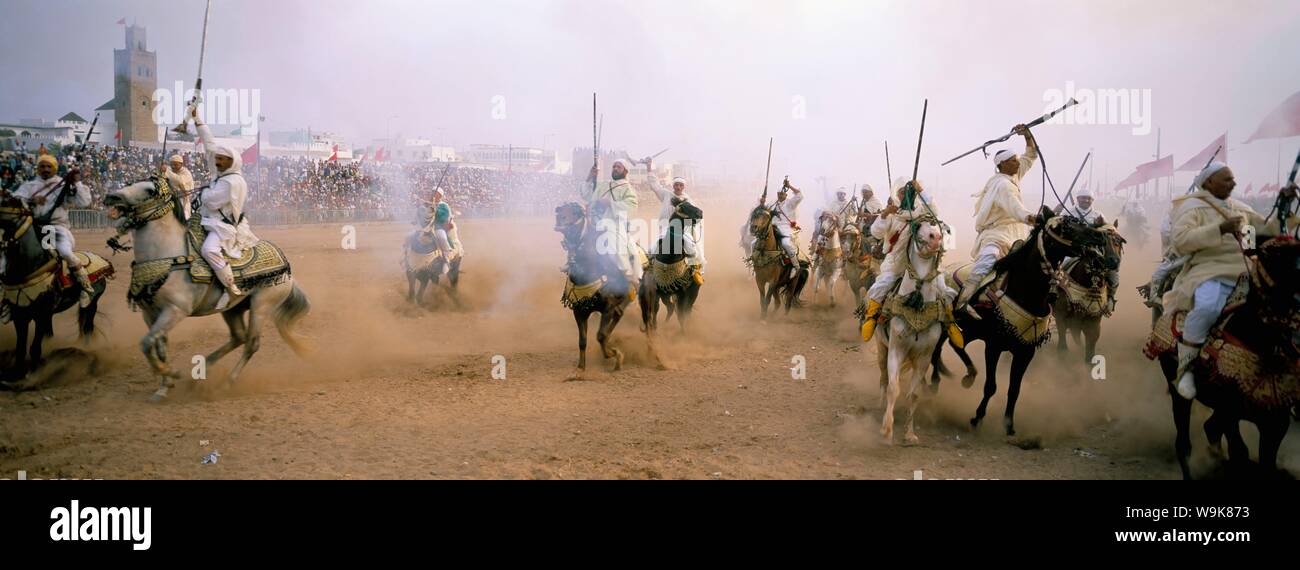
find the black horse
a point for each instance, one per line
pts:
(595, 284)
(36, 278)
(1084, 300)
(669, 278)
(1264, 325)
(1020, 321)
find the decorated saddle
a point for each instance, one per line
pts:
(1083, 299)
(262, 265)
(54, 277)
(1019, 323)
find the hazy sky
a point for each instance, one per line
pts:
(713, 79)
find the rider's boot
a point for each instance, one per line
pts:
(870, 316)
(87, 290)
(226, 276)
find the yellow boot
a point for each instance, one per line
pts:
(869, 318)
(954, 333)
(699, 276)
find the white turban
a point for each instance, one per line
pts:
(177, 158)
(1083, 193)
(223, 150)
(842, 190)
(1209, 171)
(626, 165)
(679, 179)
(899, 183)
(438, 191)
(1002, 156)
(867, 187)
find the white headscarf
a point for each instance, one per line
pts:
(236, 164)
(626, 165)
(1083, 193)
(1208, 171)
(679, 179)
(1002, 156)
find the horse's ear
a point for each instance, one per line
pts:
(1116, 224)
(1046, 213)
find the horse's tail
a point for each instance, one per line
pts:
(292, 309)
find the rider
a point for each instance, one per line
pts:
(437, 218)
(894, 229)
(868, 206)
(668, 206)
(1206, 226)
(181, 181)
(1000, 216)
(611, 205)
(43, 195)
(840, 208)
(1083, 210)
(785, 215)
(222, 212)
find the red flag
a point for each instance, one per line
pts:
(1148, 171)
(379, 154)
(335, 156)
(1246, 192)
(249, 156)
(361, 157)
(1283, 122)
(1198, 162)
(118, 136)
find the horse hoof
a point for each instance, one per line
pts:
(911, 439)
(577, 376)
(974, 422)
(968, 381)
(157, 397)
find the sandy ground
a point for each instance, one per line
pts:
(394, 391)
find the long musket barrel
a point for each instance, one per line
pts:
(921, 137)
(889, 171)
(1192, 187)
(198, 81)
(767, 177)
(1034, 123)
(595, 147)
(1076, 178)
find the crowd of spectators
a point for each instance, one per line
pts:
(302, 184)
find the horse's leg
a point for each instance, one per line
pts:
(410, 287)
(1238, 453)
(882, 359)
(252, 336)
(763, 298)
(1182, 409)
(897, 367)
(608, 320)
(914, 392)
(835, 278)
(44, 328)
(424, 284)
(1063, 332)
(649, 301)
(238, 333)
(153, 345)
(969, 379)
(20, 347)
(1020, 360)
(685, 305)
(1272, 428)
(1091, 334)
(581, 317)
(991, 356)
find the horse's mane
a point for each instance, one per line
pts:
(1014, 256)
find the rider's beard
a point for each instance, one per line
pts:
(618, 176)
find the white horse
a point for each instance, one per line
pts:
(826, 255)
(905, 350)
(154, 216)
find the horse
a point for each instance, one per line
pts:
(1250, 366)
(862, 258)
(37, 285)
(423, 262)
(163, 282)
(1084, 294)
(669, 279)
(915, 315)
(769, 264)
(594, 284)
(1016, 308)
(826, 255)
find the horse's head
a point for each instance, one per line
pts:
(1113, 250)
(1069, 236)
(852, 237)
(14, 214)
(829, 222)
(141, 202)
(1275, 278)
(568, 216)
(929, 237)
(760, 219)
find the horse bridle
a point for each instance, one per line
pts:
(23, 226)
(159, 204)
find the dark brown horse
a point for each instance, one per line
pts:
(1083, 297)
(1015, 316)
(669, 278)
(595, 284)
(771, 269)
(34, 277)
(1261, 388)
